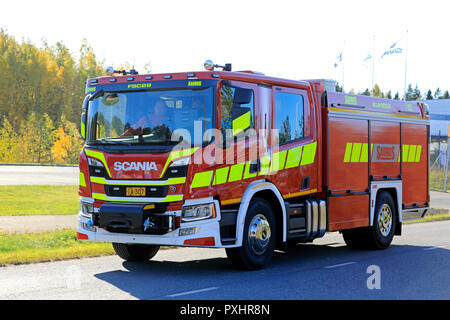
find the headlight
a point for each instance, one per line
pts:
(180, 162)
(86, 208)
(198, 212)
(95, 162)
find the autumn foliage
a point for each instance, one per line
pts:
(41, 93)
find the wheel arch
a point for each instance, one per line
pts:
(394, 188)
(269, 192)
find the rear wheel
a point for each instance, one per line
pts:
(135, 252)
(384, 222)
(380, 234)
(259, 237)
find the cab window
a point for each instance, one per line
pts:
(231, 97)
(289, 117)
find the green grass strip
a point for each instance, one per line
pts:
(37, 200)
(431, 218)
(48, 246)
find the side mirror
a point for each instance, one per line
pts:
(86, 101)
(84, 116)
(83, 125)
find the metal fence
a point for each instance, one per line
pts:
(439, 164)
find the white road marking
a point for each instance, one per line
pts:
(190, 292)
(436, 247)
(339, 265)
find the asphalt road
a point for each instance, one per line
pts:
(38, 175)
(416, 266)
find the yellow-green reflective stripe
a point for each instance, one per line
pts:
(247, 174)
(99, 156)
(278, 161)
(265, 165)
(137, 182)
(364, 153)
(177, 155)
(356, 152)
(83, 130)
(236, 172)
(221, 176)
(412, 153)
(309, 153)
(241, 123)
(82, 180)
(202, 179)
(418, 152)
(171, 198)
(348, 152)
(405, 152)
(293, 159)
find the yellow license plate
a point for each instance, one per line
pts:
(135, 192)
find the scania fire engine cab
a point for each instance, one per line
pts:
(245, 162)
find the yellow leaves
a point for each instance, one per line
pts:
(62, 143)
(37, 141)
(67, 146)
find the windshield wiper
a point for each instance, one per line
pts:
(110, 141)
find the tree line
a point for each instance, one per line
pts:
(41, 93)
(410, 95)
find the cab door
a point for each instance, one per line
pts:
(294, 150)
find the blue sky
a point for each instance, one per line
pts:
(291, 39)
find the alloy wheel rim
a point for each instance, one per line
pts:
(259, 234)
(385, 220)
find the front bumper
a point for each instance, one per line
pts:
(207, 232)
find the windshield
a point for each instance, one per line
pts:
(151, 117)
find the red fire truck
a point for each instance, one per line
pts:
(245, 162)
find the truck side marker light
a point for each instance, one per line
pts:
(207, 242)
(82, 236)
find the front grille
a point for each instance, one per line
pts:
(150, 191)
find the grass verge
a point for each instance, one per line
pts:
(48, 246)
(434, 217)
(37, 200)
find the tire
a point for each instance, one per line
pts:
(379, 236)
(135, 252)
(356, 238)
(384, 222)
(259, 238)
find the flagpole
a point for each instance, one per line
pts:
(406, 63)
(343, 59)
(373, 61)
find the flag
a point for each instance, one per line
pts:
(338, 60)
(393, 49)
(366, 60)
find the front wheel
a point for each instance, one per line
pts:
(259, 237)
(135, 252)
